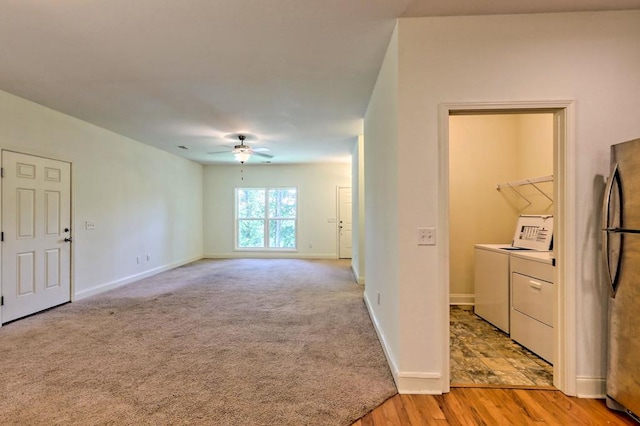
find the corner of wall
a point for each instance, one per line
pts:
(356, 273)
(407, 382)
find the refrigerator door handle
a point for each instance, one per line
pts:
(606, 204)
(612, 270)
(622, 230)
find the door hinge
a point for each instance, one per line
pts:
(1, 171)
(1, 300)
(1, 236)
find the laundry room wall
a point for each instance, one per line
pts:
(535, 159)
(484, 151)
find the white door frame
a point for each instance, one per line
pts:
(564, 377)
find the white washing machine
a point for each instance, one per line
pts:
(491, 281)
(492, 270)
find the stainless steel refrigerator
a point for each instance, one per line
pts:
(621, 249)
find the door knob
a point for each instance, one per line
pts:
(67, 240)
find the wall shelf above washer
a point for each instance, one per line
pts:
(533, 181)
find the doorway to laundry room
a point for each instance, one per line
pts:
(501, 170)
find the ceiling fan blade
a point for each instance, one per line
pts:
(242, 148)
(259, 154)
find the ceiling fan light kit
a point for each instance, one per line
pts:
(242, 152)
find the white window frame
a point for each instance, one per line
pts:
(265, 219)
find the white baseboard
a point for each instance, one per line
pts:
(407, 382)
(359, 278)
(419, 383)
(462, 299)
(591, 387)
(83, 294)
(274, 255)
(383, 341)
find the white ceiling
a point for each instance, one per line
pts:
(295, 74)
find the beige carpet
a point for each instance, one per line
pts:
(217, 342)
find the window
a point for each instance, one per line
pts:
(266, 218)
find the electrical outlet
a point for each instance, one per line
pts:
(138, 259)
(148, 257)
(426, 236)
(378, 298)
(310, 245)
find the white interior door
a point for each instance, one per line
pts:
(36, 223)
(344, 223)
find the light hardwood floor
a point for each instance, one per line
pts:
(490, 406)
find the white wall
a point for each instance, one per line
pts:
(317, 203)
(142, 200)
(357, 185)
(381, 206)
(591, 58)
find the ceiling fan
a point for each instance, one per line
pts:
(242, 152)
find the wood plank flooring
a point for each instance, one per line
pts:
(492, 406)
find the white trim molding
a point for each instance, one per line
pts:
(565, 378)
(359, 278)
(591, 387)
(101, 288)
(462, 299)
(269, 255)
(419, 383)
(383, 341)
(407, 382)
